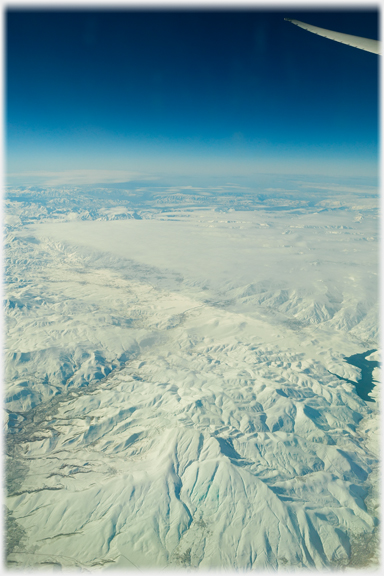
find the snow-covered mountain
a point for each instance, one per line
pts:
(176, 386)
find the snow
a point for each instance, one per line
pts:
(171, 394)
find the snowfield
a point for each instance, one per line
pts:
(173, 364)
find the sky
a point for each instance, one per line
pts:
(236, 91)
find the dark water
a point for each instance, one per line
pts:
(366, 383)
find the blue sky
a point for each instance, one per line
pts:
(186, 91)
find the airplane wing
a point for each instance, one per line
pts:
(355, 41)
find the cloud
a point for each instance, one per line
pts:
(340, 188)
(82, 177)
